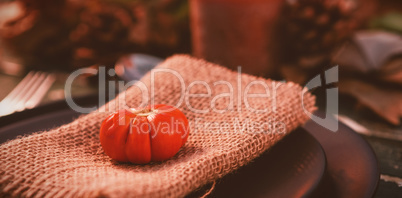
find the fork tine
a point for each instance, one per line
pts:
(27, 94)
(40, 93)
(17, 89)
(20, 95)
(7, 105)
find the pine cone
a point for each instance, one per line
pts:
(311, 29)
(68, 34)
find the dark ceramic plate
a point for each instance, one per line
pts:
(295, 167)
(352, 167)
(351, 171)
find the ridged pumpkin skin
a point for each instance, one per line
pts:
(143, 135)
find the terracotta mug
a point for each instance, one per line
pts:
(236, 33)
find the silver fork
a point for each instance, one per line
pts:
(28, 93)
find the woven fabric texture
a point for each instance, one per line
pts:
(228, 130)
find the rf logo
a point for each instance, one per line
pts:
(332, 105)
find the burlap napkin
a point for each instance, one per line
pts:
(227, 132)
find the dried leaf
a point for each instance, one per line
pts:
(392, 71)
(387, 103)
(369, 51)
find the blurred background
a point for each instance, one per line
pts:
(293, 40)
